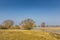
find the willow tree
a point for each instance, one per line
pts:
(27, 24)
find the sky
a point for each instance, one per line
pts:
(47, 11)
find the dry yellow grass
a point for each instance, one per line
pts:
(27, 35)
(51, 28)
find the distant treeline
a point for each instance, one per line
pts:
(26, 24)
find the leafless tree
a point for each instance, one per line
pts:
(27, 24)
(7, 24)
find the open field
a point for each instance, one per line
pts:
(27, 35)
(51, 28)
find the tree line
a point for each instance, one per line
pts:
(26, 24)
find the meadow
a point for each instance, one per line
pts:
(28, 35)
(51, 29)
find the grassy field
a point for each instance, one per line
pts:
(51, 28)
(28, 35)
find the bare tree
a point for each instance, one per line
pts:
(27, 24)
(7, 24)
(43, 24)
